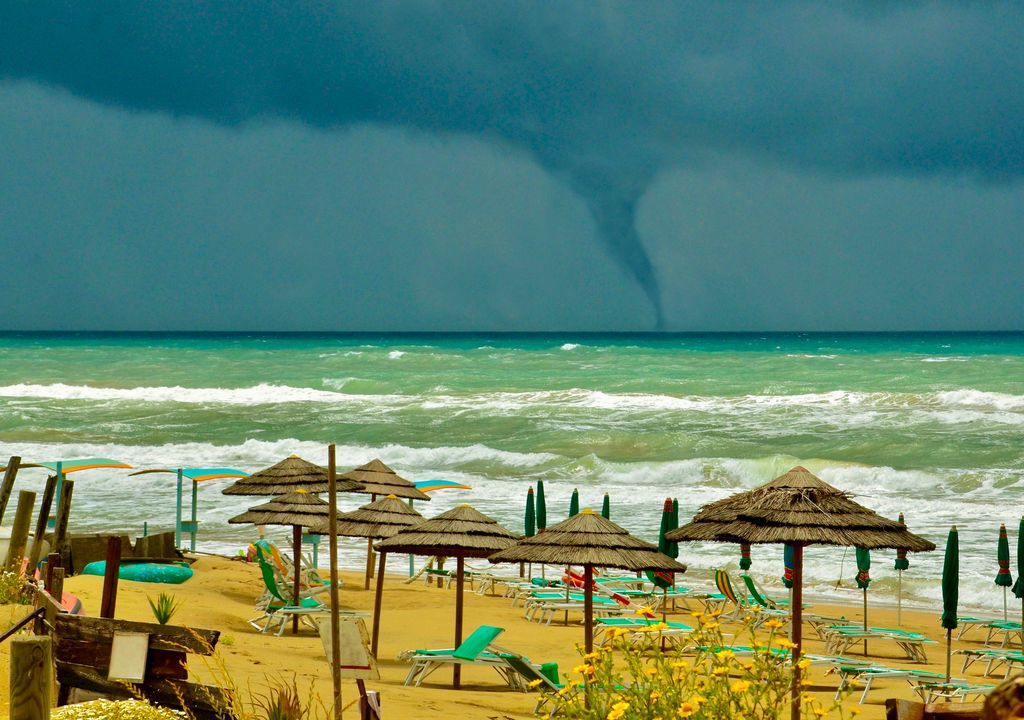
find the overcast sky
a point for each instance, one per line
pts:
(511, 166)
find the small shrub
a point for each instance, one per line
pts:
(164, 607)
(283, 701)
(110, 710)
(12, 588)
(637, 681)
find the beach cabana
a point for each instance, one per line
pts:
(380, 519)
(462, 532)
(196, 475)
(589, 540)
(291, 474)
(799, 509)
(298, 509)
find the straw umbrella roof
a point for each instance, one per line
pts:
(297, 508)
(291, 474)
(378, 479)
(462, 531)
(589, 539)
(381, 519)
(797, 507)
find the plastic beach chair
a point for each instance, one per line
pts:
(278, 609)
(310, 582)
(953, 690)
(740, 604)
(477, 649)
(867, 674)
(639, 628)
(756, 596)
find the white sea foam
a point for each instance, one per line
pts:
(981, 399)
(570, 346)
(395, 354)
(261, 394)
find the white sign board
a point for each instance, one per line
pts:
(128, 656)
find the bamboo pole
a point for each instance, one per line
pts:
(332, 533)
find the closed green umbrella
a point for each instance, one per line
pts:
(673, 547)
(900, 565)
(663, 580)
(529, 523)
(1003, 577)
(606, 507)
(574, 503)
(863, 580)
(787, 565)
(1018, 587)
(745, 561)
(542, 508)
(950, 591)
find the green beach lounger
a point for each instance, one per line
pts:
(477, 649)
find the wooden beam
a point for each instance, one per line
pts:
(7, 486)
(19, 531)
(110, 576)
(44, 515)
(60, 531)
(161, 637)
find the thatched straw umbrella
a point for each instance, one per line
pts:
(800, 509)
(378, 479)
(381, 519)
(589, 540)
(298, 509)
(461, 532)
(291, 474)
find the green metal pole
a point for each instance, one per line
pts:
(195, 516)
(51, 522)
(177, 514)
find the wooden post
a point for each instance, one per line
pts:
(460, 566)
(109, 600)
(19, 531)
(31, 678)
(44, 515)
(376, 605)
(60, 530)
(797, 619)
(7, 487)
(56, 590)
(52, 562)
(588, 607)
(332, 533)
(369, 563)
(297, 562)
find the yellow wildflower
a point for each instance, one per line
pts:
(645, 610)
(820, 712)
(784, 643)
(720, 671)
(855, 710)
(755, 609)
(725, 654)
(533, 683)
(592, 656)
(740, 686)
(711, 626)
(686, 709)
(698, 614)
(804, 664)
(773, 624)
(619, 632)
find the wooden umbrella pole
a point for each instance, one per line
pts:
(899, 597)
(376, 604)
(297, 562)
(459, 571)
(949, 652)
(567, 577)
(369, 562)
(865, 621)
(332, 533)
(797, 611)
(588, 607)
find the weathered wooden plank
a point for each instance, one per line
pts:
(108, 602)
(7, 487)
(60, 530)
(19, 531)
(31, 678)
(204, 702)
(160, 664)
(162, 637)
(44, 515)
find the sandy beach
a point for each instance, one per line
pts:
(220, 596)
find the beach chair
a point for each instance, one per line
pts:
(310, 581)
(640, 628)
(757, 597)
(868, 674)
(1008, 630)
(477, 649)
(840, 638)
(740, 603)
(960, 690)
(278, 609)
(966, 623)
(994, 659)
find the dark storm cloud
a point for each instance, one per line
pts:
(605, 96)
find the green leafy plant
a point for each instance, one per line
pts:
(12, 588)
(282, 701)
(627, 680)
(164, 607)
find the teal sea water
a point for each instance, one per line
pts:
(930, 425)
